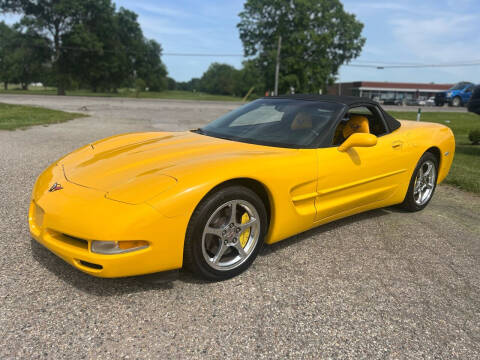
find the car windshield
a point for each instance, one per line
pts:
(459, 86)
(276, 122)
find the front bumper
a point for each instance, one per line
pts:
(67, 221)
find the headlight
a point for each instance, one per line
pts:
(117, 247)
(449, 93)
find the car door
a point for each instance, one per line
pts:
(361, 176)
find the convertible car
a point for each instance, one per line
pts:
(208, 199)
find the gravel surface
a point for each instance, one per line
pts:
(380, 285)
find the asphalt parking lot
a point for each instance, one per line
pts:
(380, 285)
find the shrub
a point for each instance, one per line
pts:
(474, 136)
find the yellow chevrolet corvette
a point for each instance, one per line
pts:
(208, 199)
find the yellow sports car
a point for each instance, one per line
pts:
(208, 199)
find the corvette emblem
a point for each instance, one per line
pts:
(55, 187)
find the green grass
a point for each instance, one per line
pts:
(19, 116)
(128, 93)
(465, 171)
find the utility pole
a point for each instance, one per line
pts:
(277, 68)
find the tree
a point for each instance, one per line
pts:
(318, 36)
(29, 56)
(87, 49)
(7, 42)
(52, 17)
(93, 44)
(149, 66)
(250, 76)
(171, 83)
(24, 55)
(219, 79)
(192, 85)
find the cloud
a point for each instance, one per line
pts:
(155, 26)
(439, 39)
(161, 10)
(369, 9)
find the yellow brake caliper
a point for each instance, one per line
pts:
(246, 234)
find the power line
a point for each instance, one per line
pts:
(194, 54)
(413, 66)
(358, 63)
(379, 65)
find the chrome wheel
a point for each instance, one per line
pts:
(230, 235)
(424, 183)
(456, 101)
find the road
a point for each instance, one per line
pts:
(380, 285)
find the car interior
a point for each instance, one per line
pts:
(289, 127)
(362, 119)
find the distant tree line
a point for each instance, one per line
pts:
(78, 44)
(224, 79)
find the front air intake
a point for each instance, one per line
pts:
(91, 265)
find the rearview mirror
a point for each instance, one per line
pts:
(358, 140)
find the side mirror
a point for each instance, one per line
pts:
(358, 140)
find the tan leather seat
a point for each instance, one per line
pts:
(303, 120)
(356, 124)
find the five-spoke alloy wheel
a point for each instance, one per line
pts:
(230, 234)
(422, 184)
(225, 233)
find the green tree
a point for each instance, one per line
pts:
(219, 79)
(92, 44)
(171, 83)
(318, 36)
(250, 76)
(52, 17)
(7, 44)
(30, 55)
(192, 85)
(102, 49)
(87, 47)
(150, 67)
(24, 55)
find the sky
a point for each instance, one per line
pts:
(400, 31)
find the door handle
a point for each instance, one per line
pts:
(397, 144)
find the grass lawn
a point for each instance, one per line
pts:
(465, 171)
(170, 94)
(19, 116)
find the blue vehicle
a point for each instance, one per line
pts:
(458, 95)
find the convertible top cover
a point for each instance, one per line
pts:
(392, 123)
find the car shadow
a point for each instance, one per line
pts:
(269, 249)
(165, 281)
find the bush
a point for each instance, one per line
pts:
(474, 136)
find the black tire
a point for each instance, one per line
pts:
(474, 106)
(193, 257)
(409, 202)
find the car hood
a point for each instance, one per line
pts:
(135, 167)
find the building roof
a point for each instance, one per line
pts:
(399, 85)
